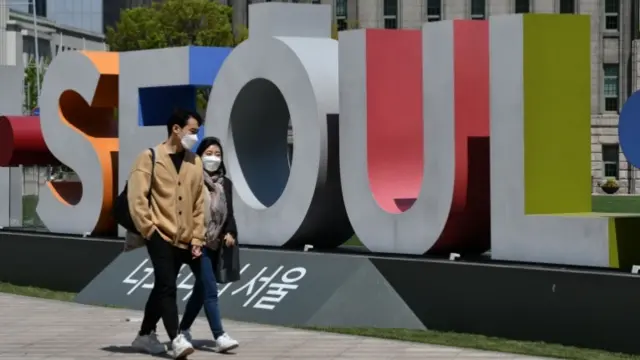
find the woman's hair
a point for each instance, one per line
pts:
(204, 145)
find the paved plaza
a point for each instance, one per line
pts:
(44, 329)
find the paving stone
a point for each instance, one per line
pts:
(34, 329)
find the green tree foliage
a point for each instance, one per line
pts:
(31, 84)
(175, 23)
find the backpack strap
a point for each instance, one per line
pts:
(153, 165)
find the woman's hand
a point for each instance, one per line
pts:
(229, 241)
(196, 251)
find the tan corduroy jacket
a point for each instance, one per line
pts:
(177, 200)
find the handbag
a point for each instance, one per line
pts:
(133, 239)
(228, 263)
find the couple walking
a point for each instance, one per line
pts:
(181, 204)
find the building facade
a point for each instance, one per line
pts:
(18, 38)
(80, 14)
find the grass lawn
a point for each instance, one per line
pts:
(29, 216)
(615, 204)
(35, 292)
(428, 337)
(480, 342)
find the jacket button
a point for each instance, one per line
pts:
(179, 197)
(179, 183)
(179, 212)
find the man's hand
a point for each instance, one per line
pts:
(229, 241)
(196, 251)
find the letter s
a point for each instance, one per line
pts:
(77, 106)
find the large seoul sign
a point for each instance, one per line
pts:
(458, 137)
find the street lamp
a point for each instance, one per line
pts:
(37, 46)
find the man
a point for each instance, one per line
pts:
(172, 222)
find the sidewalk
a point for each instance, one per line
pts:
(38, 329)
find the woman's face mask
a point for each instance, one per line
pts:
(211, 163)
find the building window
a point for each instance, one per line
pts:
(316, 2)
(611, 11)
(434, 10)
(611, 87)
(390, 14)
(341, 14)
(611, 160)
(40, 5)
(523, 6)
(478, 9)
(567, 6)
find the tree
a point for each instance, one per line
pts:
(174, 23)
(31, 84)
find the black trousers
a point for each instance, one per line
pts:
(162, 303)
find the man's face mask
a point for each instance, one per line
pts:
(187, 139)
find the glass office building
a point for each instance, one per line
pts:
(81, 14)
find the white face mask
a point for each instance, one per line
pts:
(188, 141)
(211, 163)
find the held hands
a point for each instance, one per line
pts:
(196, 251)
(229, 241)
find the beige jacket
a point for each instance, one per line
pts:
(177, 200)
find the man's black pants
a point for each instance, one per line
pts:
(162, 303)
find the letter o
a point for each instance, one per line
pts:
(261, 85)
(629, 128)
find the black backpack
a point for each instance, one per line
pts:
(121, 206)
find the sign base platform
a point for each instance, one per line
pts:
(592, 308)
(277, 287)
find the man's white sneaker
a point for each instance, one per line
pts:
(181, 347)
(187, 335)
(149, 344)
(225, 343)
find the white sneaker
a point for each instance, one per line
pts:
(225, 343)
(187, 335)
(181, 347)
(149, 344)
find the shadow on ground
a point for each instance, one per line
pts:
(129, 350)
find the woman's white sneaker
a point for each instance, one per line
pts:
(225, 343)
(149, 344)
(181, 347)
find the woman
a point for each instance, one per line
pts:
(220, 231)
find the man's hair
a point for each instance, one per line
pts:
(180, 117)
